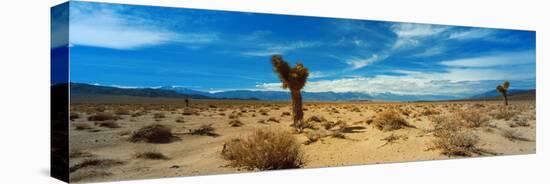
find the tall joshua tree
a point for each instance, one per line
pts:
(293, 79)
(503, 89)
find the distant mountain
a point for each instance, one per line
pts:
(514, 94)
(311, 96)
(87, 89)
(184, 90)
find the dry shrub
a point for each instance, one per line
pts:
(155, 133)
(94, 163)
(180, 120)
(79, 154)
(460, 143)
(285, 114)
(151, 155)
(122, 112)
(272, 119)
(103, 116)
(82, 126)
(236, 123)
(317, 119)
(107, 124)
(264, 149)
(159, 115)
(189, 112)
(505, 113)
(207, 130)
(452, 139)
(473, 118)
(429, 112)
(390, 120)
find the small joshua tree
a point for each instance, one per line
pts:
(293, 79)
(503, 89)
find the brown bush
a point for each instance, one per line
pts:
(159, 115)
(207, 130)
(429, 112)
(103, 116)
(459, 143)
(153, 134)
(390, 120)
(272, 119)
(122, 112)
(81, 126)
(94, 163)
(107, 124)
(236, 123)
(180, 120)
(151, 155)
(264, 149)
(317, 119)
(473, 118)
(451, 137)
(505, 113)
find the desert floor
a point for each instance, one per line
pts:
(362, 143)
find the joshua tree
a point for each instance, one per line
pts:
(293, 79)
(503, 89)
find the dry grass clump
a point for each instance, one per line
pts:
(207, 130)
(429, 112)
(94, 163)
(103, 116)
(81, 126)
(236, 123)
(314, 136)
(189, 112)
(107, 124)
(122, 112)
(452, 138)
(317, 119)
(285, 114)
(272, 119)
(522, 122)
(390, 120)
(505, 113)
(460, 143)
(150, 155)
(180, 120)
(393, 139)
(79, 154)
(264, 149)
(473, 118)
(159, 115)
(155, 133)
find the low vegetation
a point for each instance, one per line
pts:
(264, 149)
(155, 133)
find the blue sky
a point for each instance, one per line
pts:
(142, 46)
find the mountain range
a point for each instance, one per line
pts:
(183, 92)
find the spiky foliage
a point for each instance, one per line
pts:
(293, 79)
(503, 89)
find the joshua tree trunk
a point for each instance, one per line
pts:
(505, 95)
(297, 111)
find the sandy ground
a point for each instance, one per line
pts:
(200, 155)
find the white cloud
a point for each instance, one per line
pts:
(411, 35)
(107, 28)
(499, 59)
(269, 49)
(357, 63)
(474, 33)
(458, 82)
(432, 51)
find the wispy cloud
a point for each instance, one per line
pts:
(268, 49)
(473, 33)
(499, 59)
(106, 27)
(432, 51)
(411, 35)
(357, 63)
